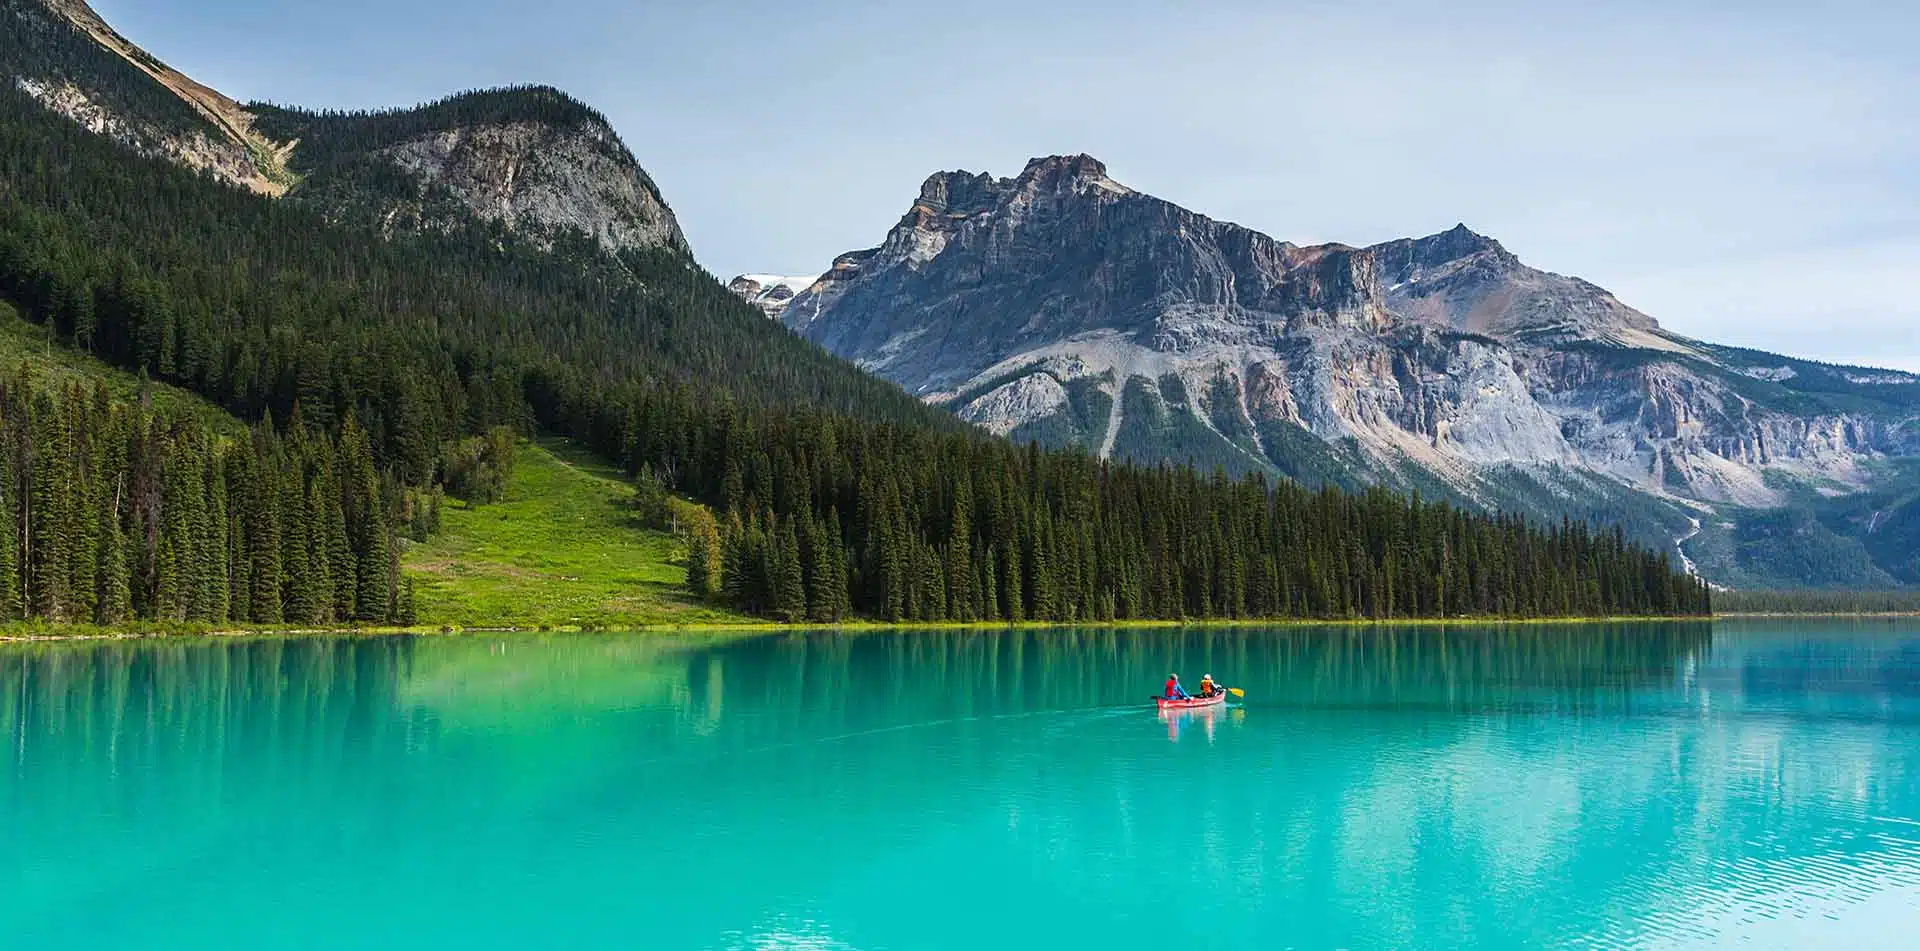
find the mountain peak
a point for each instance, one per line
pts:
(1079, 164)
(73, 63)
(770, 292)
(1067, 173)
(1455, 243)
(1467, 281)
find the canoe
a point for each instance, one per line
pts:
(1197, 702)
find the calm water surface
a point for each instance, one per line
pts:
(1682, 786)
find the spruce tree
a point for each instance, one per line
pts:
(88, 427)
(826, 575)
(367, 525)
(238, 476)
(736, 561)
(215, 545)
(10, 525)
(112, 593)
(342, 565)
(49, 519)
(314, 510)
(702, 539)
(789, 577)
(262, 519)
(303, 599)
(404, 613)
(959, 559)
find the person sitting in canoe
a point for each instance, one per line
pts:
(1174, 690)
(1207, 687)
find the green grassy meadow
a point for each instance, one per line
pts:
(562, 550)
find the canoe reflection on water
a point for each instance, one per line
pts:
(1206, 718)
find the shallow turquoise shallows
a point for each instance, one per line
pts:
(1625, 786)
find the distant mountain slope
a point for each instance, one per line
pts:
(1064, 306)
(770, 292)
(65, 56)
(529, 159)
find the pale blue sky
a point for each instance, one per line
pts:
(1748, 173)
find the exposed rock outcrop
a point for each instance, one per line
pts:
(770, 292)
(541, 177)
(73, 63)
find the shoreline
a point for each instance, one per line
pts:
(1779, 615)
(86, 633)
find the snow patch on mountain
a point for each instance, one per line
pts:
(770, 292)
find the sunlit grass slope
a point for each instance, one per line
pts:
(57, 366)
(562, 549)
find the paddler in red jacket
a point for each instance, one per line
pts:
(1174, 690)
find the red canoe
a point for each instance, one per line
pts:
(1213, 701)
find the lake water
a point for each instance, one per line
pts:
(1752, 785)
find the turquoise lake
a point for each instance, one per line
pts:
(1750, 785)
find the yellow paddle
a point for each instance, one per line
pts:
(1236, 691)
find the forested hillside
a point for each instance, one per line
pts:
(150, 508)
(824, 516)
(367, 358)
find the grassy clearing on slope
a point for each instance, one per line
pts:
(59, 365)
(562, 549)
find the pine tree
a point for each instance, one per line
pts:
(1012, 602)
(738, 557)
(827, 580)
(374, 581)
(262, 519)
(789, 584)
(112, 593)
(404, 613)
(237, 477)
(704, 566)
(315, 509)
(48, 518)
(303, 598)
(367, 525)
(214, 545)
(88, 426)
(342, 564)
(959, 558)
(10, 525)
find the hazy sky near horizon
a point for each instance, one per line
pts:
(1747, 173)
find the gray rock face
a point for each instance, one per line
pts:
(1468, 282)
(981, 269)
(1061, 305)
(543, 178)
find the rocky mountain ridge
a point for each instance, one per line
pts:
(1062, 306)
(770, 292)
(528, 159)
(67, 58)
